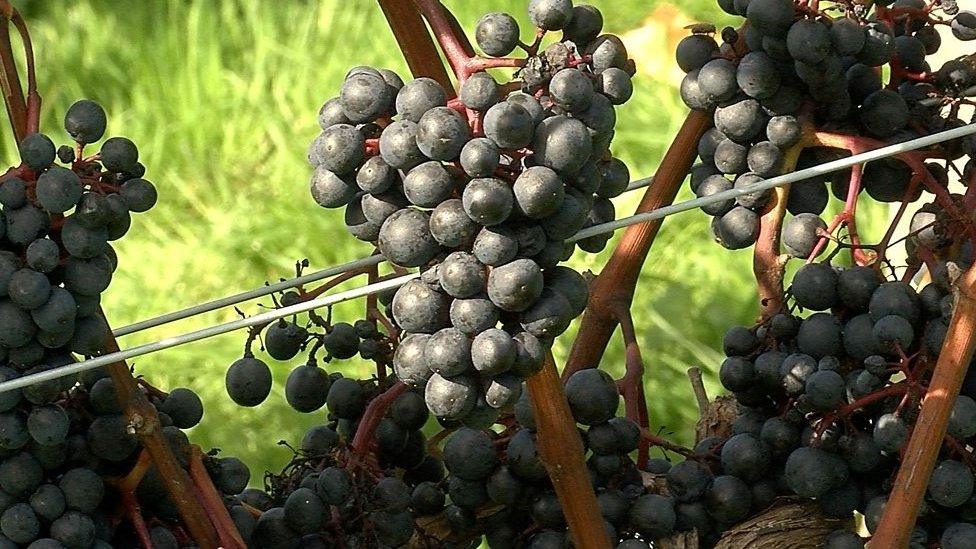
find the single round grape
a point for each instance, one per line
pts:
(741, 121)
(448, 352)
(893, 332)
(717, 79)
(329, 190)
(962, 420)
(889, 432)
(497, 34)
(652, 516)
(773, 17)
(764, 159)
(307, 388)
(13, 193)
(19, 524)
(550, 14)
(428, 184)
(495, 246)
(488, 201)
(83, 489)
(80, 241)
(951, 484)
(398, 145)
(58, 189)
(592, 396)
(563, 144)
(375, 176)
(419, 309)
(450, 225)
(462, 275)
(119, 154)
(815, 286)
(548, 317)
(801, 234)
(615, 84)
(584, 26)
(85, 121)
(825, 389)
(48, 425)
(515, 286)
(183, 406)
(480, 157)
(856, 286)
(758, 76)
(959, 535)
(963, 26)
(694, 51)
(474, 315)
(571, 90)
(248, 381)
(365, 97)
(37, 151)
(809, 41)
(441, 133)
(479, 92)
(493, 351)
(731, 157)
(331, 113)
(419, 96)
(405, 239)
(812, 472)
(409, 362)
(895, 298)
(538, 192)
(783, 131)
(878, 45)
(884, 113)
(28, 289)
(450, 398)
(607, 51)
(509, 126)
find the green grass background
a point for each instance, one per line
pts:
(221, 97)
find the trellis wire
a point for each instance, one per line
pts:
(269, 289)
(325, 301)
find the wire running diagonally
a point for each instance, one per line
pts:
(325, 301)
(269, 289)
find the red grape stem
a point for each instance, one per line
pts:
(230, 538)
(24, 113)
(922, 450)
(631, 386)
(362, 442)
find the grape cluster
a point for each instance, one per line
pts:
(480, 192)
(56, 226)
(791, 72)
(826, 401)
(61, 444)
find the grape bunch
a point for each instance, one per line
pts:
(484, 483)
(827, 399)
(57, 224)
(481, 192)
(791, 72)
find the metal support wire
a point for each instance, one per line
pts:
(269, 289)
(659, 213)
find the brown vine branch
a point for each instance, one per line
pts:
(415, 42)
(923, 447)
(142, 416)
(632, 384)
(561, 450)
(615, 286)
(768, 264)
(13, 95)
(372, 416)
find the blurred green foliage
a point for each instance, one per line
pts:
(221, 98)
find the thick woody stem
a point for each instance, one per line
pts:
(33, 98)
(922, 449)
(415, 42)
(13, 94)
(561, 450)
(768, 264)
(616, 284)
(143, 418)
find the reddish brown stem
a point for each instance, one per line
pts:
(33, 98)
(133, 511)
(415, 42)
(230, 538)
(655, 440)
(561, 450)
(632, 384)
(362, 442)
(923, 447)
(10, 78)
(143, 418)
(616, 284)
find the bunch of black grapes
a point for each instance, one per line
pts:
(827, 399)
(485, 484)
(789, 73)
(481, 193)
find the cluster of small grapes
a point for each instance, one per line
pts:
(55, 228)
(327, 496)
(485, 484)
(60, 443)
(248, 380)
(480, 192)
(826, 402)
(791, 72)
